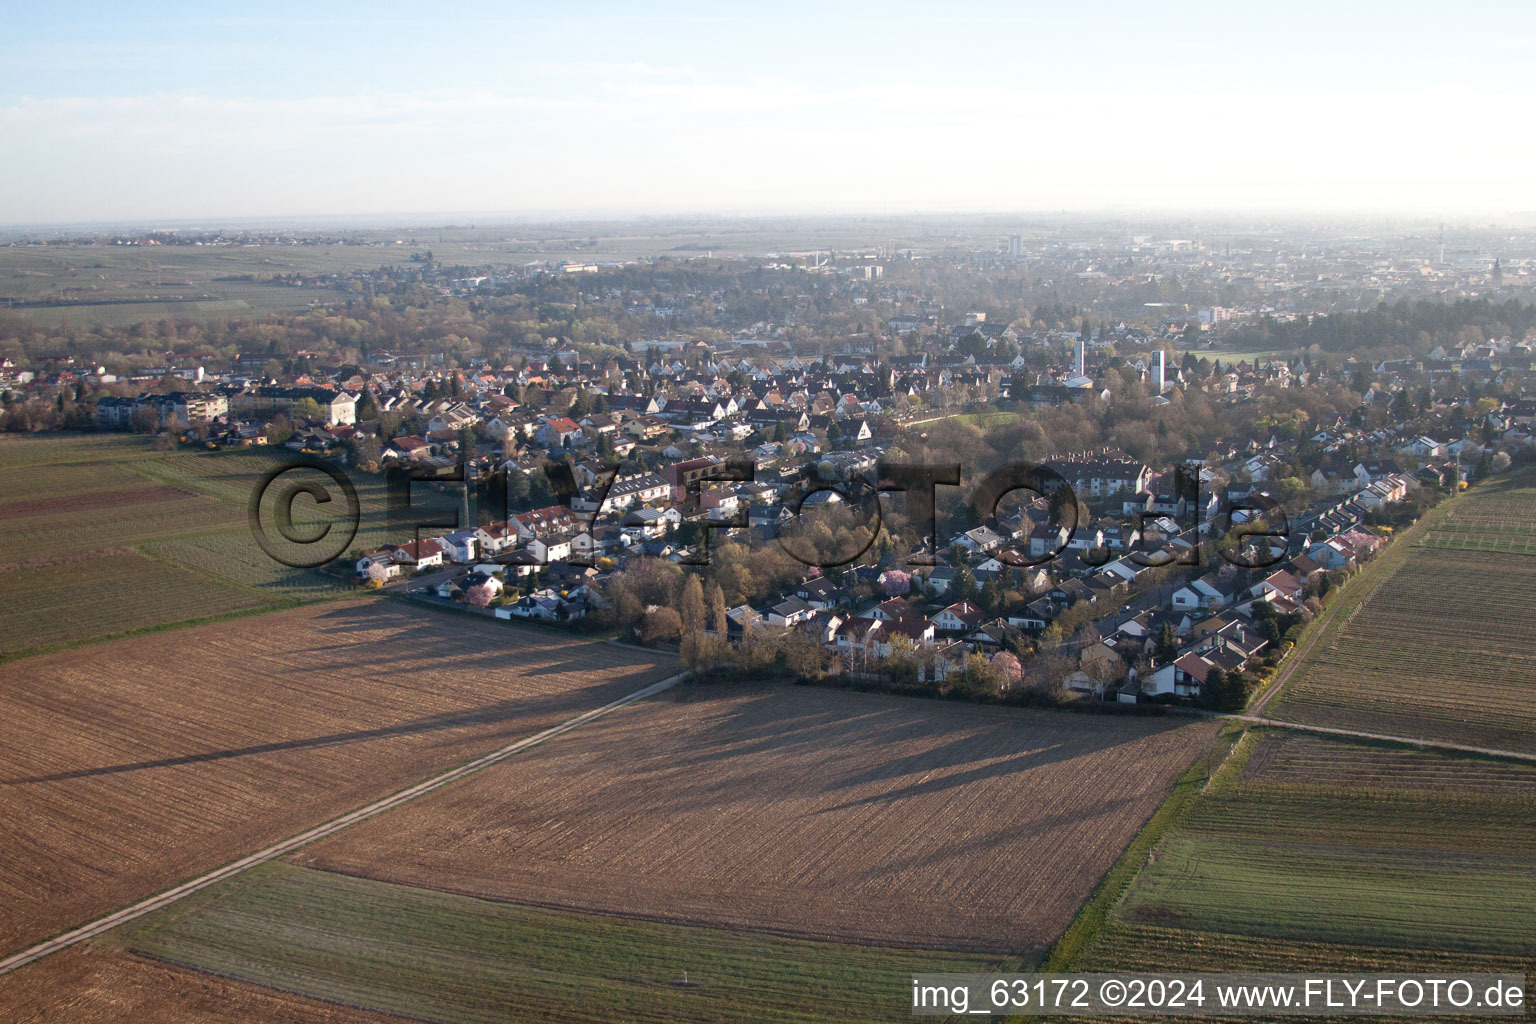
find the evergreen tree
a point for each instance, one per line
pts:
(541, 494)
(518, 490)
(992, 598)
(1213, 691)
(964, 584)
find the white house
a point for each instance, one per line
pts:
(550, 549)
(962, 615)
(791, 612)
(1182, 677)
(415, 555)
(1423, 447)
(979, 540)
(557, 431)
(380, 566)
(494, 538)
(1204, 592)
(1045, 541)
(461, 546)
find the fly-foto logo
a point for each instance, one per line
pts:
(1251, 532)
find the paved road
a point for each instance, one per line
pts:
(286, 846)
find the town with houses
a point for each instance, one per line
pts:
(1131, 604)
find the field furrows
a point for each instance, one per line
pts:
(126, 768)
(796, 810)
(1444, 648)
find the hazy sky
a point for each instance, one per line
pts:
(171, 111)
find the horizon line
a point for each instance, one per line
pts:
(478, 219)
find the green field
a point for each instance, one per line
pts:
(71, 511)
(54, 449)
(1313, 853)
(987, 420)
(1228, 358)
(102, 534)
(1307, 863)
(101, 285)
(435, 956)
(225, 475)
(1435, 640)
(235, 556)
(231, 476)
(1498, 516)
(107, 594)
(117, 286)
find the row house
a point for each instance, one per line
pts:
(1383, 492)
(1344, 550)
(876, 637)
(186, 406)
(1103, 474)
(554, 519)
(637, 489)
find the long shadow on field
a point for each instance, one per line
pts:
(913, 746)
(436, 643)
(440, 634)
(957, 852)
(510, 711)
(994, 767)
(450, 642)
(960, 734)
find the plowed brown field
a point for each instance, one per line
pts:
(128, 767)
(801, 811)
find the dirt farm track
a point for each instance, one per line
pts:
(808, 812)
(127, 767)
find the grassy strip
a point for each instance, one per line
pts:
(444, 957)
(164, 627)
(148, 552)
(1094, 916)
